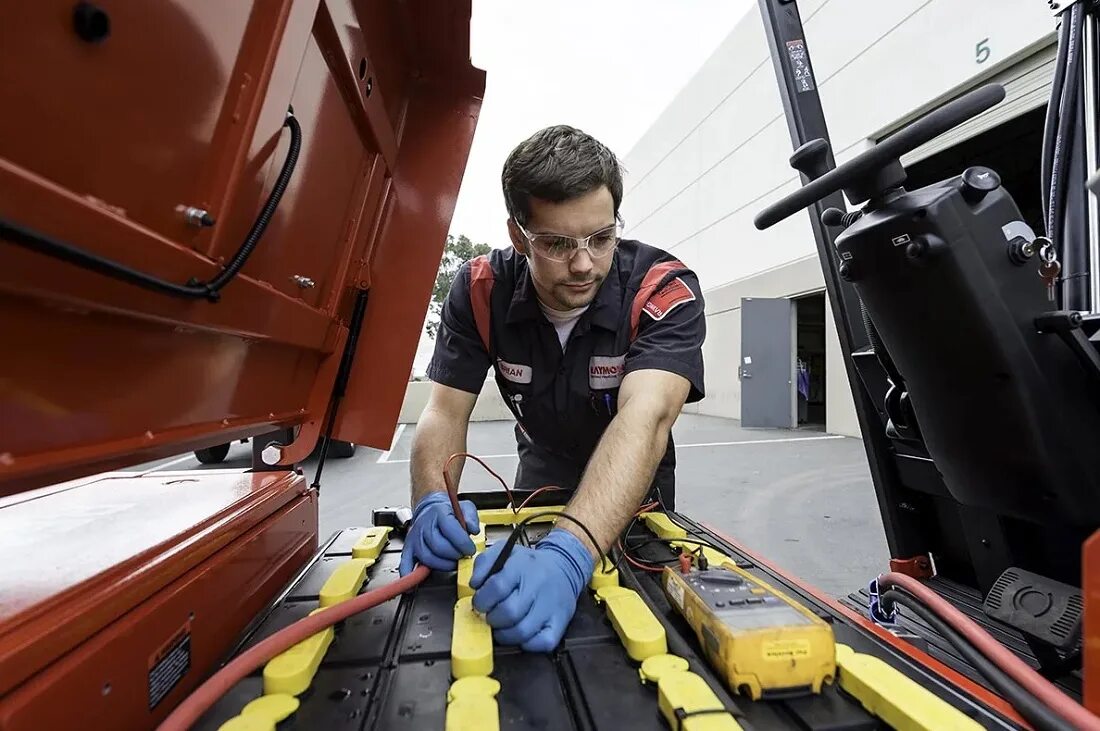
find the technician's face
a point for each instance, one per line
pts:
(566, 276)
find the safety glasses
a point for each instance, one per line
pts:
(559, 247)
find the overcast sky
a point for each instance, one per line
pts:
(609, 67)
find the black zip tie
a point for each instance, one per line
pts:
(682, 715)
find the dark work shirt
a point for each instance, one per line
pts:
(563, 401)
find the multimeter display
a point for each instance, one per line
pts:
(741, 605)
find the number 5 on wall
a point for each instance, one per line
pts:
(981, 51)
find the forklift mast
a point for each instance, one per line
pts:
(967, 338)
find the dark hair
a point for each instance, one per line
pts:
(556, 164)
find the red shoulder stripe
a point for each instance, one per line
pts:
(653, 278)
(481, 287)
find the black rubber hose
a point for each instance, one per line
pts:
(260, 224)
(1063, 139)
(1037, 714)
(1050, 125)
(194, 289)
(43, 244)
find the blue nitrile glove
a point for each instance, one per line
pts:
(436, 538)
(530, 601)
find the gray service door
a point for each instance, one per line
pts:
(766, 370)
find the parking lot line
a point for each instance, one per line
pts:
(762, 441)
(385, 456)
(176, 461)
(824, 437)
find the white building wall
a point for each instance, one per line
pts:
(718, 154)
(488, 407)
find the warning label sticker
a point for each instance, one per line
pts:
(786, 649)
(168, 666)
(676, 592)
(800, 66)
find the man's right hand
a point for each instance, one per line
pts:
(436, 538)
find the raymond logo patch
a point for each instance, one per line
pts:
(606, 371)
(513, 372)
(668, 298)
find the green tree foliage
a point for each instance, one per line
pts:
(457, 252)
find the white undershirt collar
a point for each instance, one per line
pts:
(563, 320)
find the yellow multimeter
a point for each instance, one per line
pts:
(762, 643)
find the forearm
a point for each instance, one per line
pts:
(438, 436)
(618, 474)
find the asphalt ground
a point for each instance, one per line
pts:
(802, 499)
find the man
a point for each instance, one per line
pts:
(596, 343)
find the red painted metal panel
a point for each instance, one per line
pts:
(130, 119)
(75, 559)
(241, 178)
(337, 28)
(105, 683)
(318, 201)
(99, 574)
(388, 60)
(82, 390)
(98, 373)
(248, 308)
(438, 131)
(363, 230)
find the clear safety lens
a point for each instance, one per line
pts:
(562, 248)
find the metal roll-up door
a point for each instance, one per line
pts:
(1027, 87)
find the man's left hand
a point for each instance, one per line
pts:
(531, 600)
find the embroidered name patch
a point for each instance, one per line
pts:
(605, 371)
(513, 372)
(668, 298)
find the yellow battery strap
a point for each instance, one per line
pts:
(291, 671)
(640, 631)
(605, 575)
(894, 698)
(689, 704)
(471, 642)
(472, 705)
(275, 708)
(663, 526)
(507, 516)
(345, 582)
(372, 542)
(247, 723)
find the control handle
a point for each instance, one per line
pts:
(855, 173)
